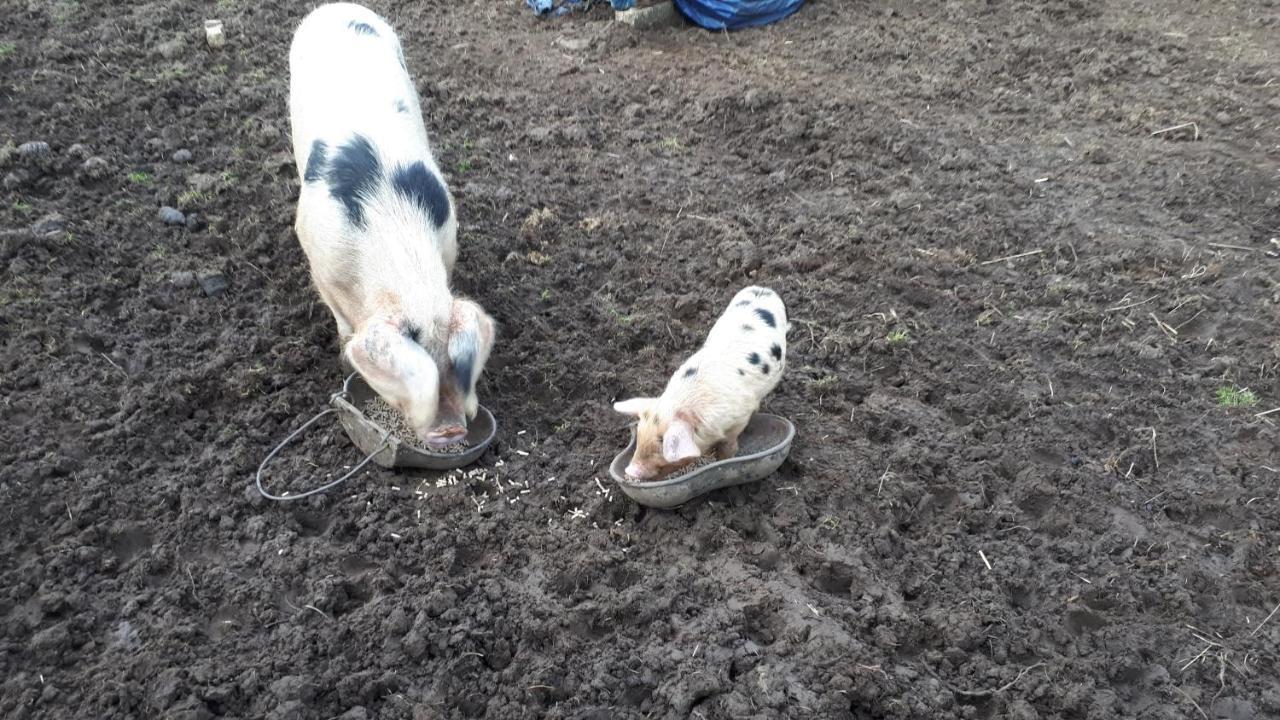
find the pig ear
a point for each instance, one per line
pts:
(677, 442)
(470, 340)
(634, 406)
(373, 353)
(397, 369)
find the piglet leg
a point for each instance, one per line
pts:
(728, 447)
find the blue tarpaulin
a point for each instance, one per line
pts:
(735, 14)
(710, 14)
(556, 8)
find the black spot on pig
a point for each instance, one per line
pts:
(418, 184)
(754, 358)
(353, 175)
(748, 328)
(691, 372)
(741, 303)
(765, 368)
(362, 28)
(315, 161)
(463, 358)
(402, 107)
(741, 371)
(767, 317)
(776, 351)
(412, 330)
(761, 292)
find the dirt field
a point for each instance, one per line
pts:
(1015, 491)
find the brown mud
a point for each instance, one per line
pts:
(1013, 493)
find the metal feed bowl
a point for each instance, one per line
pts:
(369, 436)
(762, 447)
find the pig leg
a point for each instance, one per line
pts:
(725, 449)
(728, 447)
(345, 330)
(325, 283)
(450, 253)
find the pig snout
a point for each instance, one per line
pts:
(450, 424)
(444, 436)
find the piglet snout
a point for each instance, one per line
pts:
(640, 472)
(445, 436)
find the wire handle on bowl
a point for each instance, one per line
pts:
(258, 478)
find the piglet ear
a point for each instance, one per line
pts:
(634, 406)
(678, 443)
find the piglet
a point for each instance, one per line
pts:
(711, 397)
(378, 225)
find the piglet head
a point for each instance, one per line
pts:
(663, 444)
(400, 371)
(470, 338)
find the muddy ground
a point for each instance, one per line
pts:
(1015, 492)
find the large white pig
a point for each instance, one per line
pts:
(712, 395)
(377, 223)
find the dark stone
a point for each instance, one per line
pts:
(213, 283)
(172, 216)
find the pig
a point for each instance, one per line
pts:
(712, 395)
(377, 224)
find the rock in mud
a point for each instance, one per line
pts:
(182, 156)
(49, 225)
(293, 687)
(172, 48)
(574, 44)
(172, 216)
(33, 149)
(203, 182)
(51, 640)
(95, 168)
(213, 284)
